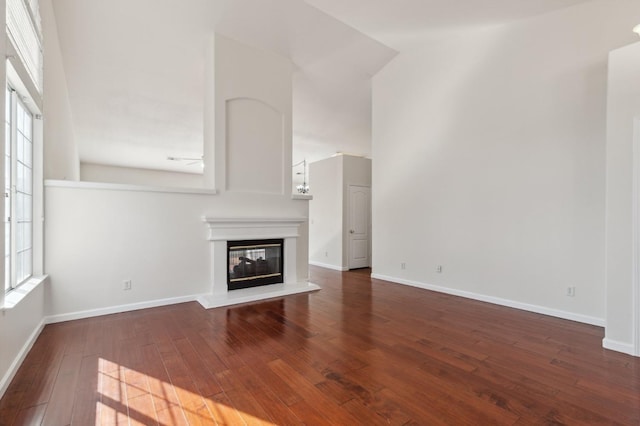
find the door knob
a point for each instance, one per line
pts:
(351, 231)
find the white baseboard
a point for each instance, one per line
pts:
(17, 362)
(328, 266)
(498, 301)
(118, 309)
(617, 346)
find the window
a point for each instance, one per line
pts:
(25, 34)
(18, 187)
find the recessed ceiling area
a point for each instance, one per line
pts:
(135, 70)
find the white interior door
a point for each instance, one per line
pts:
(359, 205)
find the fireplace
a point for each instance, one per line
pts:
(252, 263)
(223, 233)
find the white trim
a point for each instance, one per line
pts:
(19, 359)
(126, 187)
(223, 229)
(254, 294)
(301, 197)
(497, 301)
(118, 309)
(221, 222)
(328, 266)
(19, 72)
(635, 257)
(614, 345)
(38, 196)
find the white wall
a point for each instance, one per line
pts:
(95, 239)
(252, 112)
(357, 171)
(60, 150)
(623, 108)
(19, 326)
(490, 161)
(128, 175)
(325, 213)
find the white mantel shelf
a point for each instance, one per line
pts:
(223, 229)
(253, 219)
(220, 230)
(248, 221)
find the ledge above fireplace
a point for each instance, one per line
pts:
(222, 230)
(251, 228)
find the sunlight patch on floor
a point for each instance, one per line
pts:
(131, 397)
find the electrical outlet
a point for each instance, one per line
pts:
(403, 265)
(126, 285)
(571, 291)
(439, 269)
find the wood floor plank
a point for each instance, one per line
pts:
(160, 387)
(265, 395)
(32, 415)
(17, 393)
(60, 407)
(365, 414)
(41, 387)
(251, 412)
(142, 410)
(310, 393)
(113, 407)
(286, 393)
(223, 411)
(87, 393)
(191, 401)
(172, 415)
(204, 381)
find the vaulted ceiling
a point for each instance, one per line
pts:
(135, 69)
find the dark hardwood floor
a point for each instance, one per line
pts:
(358, 352)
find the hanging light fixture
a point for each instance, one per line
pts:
(302, 188)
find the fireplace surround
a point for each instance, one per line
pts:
(221, 231)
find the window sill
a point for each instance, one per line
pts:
(15, 296)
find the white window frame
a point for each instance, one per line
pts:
(20, 189)
(23, 96)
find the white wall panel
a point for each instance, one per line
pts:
(490, 159)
